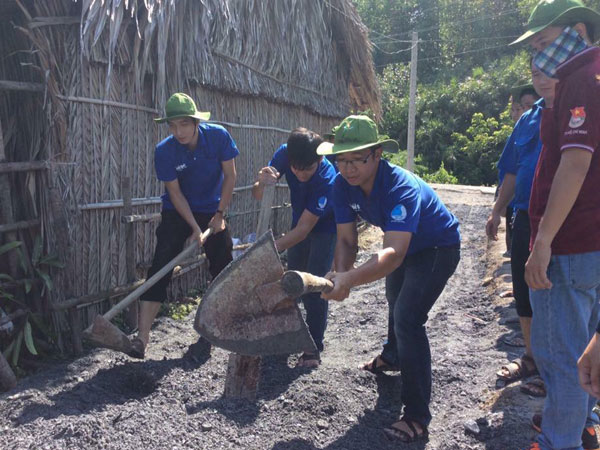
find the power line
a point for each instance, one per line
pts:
(453, 54)
(394, 52)
(481, 38)
(458, 22)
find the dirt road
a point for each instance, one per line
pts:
(173, 399)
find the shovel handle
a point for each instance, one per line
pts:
(112, 312)
(296, 284)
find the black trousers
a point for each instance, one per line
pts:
(518, 258)
(171, 235)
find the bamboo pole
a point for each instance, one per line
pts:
(94, 298)
(8, 85)
(22, 166)
(132, 311)
(22, 225)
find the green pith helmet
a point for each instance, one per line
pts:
(556, 13)
(356, 133)
(182, 105)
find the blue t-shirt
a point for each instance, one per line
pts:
(399, 201)
(521, 156)
(313, 195)
(504, 162)
(199, 172)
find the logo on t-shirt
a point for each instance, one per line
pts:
(322, 202)
(398, 213)
(577, 117)
(355, 206)
(181, 167)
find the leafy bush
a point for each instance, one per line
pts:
(440, 176)
(451, 115)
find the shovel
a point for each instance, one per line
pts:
(249, 308)
(102, 333)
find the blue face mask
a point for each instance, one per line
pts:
(565, 46)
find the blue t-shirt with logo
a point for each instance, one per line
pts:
(313, 195)
(399, 201)
(198, 171)
(521, 154)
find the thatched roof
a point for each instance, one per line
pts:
(305, 52)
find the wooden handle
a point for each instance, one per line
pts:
(112, 312)
(296, 284)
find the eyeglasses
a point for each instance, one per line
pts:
(352, 162)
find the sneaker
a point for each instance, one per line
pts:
(589, 439)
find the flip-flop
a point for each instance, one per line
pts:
(379, 365)
(393, 432)
(309, 360)
(534, 387)
(138, 348)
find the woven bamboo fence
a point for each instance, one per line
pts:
(80, 83)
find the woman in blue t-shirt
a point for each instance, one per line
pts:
(311, 240)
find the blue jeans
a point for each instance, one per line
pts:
(564, 320)
(314, 255)
(411, 291)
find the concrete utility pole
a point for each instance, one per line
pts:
(410, 144)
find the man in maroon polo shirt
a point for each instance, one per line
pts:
(563, 270)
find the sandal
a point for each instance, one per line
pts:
(309, 360)
(534, 387)
(536, 422)
(379, 365)
(518, 369)
(138, 348)
(412, 435)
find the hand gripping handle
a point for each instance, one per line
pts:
(296, 284)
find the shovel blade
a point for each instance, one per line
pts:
(233, 317)
(105, 334)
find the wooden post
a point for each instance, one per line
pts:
(8, 380)
(243, 372)
(410, 145)
(133, 310)
(76, 329)
(6, 210)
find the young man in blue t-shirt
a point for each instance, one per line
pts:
(421, 249)
(518, 162)
(196, 164)
(311, 240)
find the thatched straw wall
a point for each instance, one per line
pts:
(107, 67)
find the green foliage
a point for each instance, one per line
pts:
(477, 150)
(446, 110)
(180, 311)
(31, 326)
(440, 176)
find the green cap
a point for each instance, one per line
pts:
(182, 105)
(557, 13)
(517, 91)
(356, 133)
